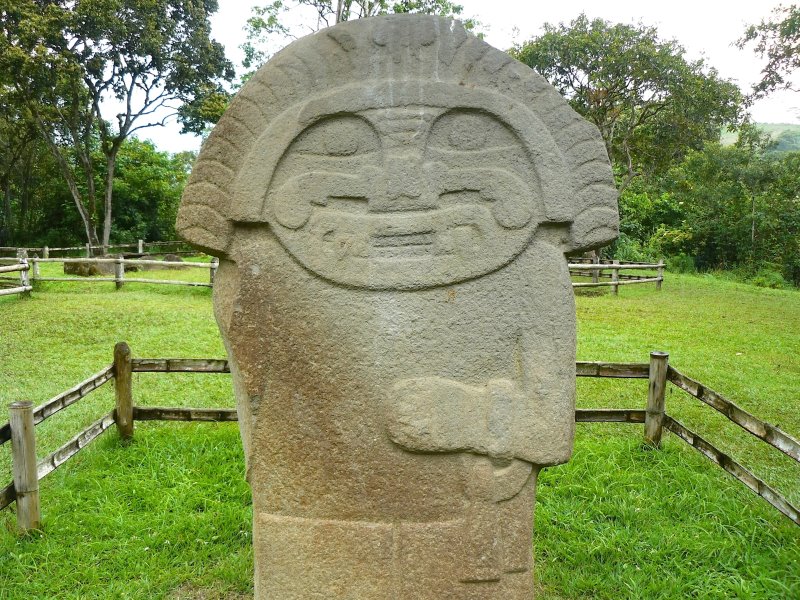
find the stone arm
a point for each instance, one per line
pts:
(529, 417)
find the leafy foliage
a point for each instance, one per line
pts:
(70, 62)
(18, 143)
(147, 189)
(734, 207)
(660, 116)
(650, 103)
(787, 141)
(777, 40)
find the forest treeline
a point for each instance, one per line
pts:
(38, 209)
(73, 170)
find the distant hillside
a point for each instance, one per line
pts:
(786, 135)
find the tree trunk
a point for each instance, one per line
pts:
(7, 230)
(86, 217)
(91, 193)
(23, 223)
(111, 166)
(753, 228)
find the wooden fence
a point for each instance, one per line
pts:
(120, 263)
(15, 285)
(27, 471)
(596, 271)
(140, 247)
(610, 269)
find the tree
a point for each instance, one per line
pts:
(650, 103)
(73, 61)
(147, 189)
(149, 186)
(724, 206)
(777, 40)
(268, 28)
(787, 141)
(18, 145)
(742, 207)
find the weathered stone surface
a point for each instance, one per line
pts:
(168, 258)
(89, 269)
(391, 200)
(93, 268)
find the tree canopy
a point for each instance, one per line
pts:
(72, 62)
(649, 101)
(147, 189)
(777, 40)
(726, 207)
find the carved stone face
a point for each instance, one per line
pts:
(378, 197)
(398, 194)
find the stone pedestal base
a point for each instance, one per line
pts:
(486, 555)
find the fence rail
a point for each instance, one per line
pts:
(596, 269)
(616, 370)
(20, 429)
(138, 247)
(753, 425)
(179, 365)
(734, 469)
(75, 445)
(10, 285)
(120, 265)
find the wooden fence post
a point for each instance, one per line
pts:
(140, 247)
(24, 277)
(123, 383)
(46, 252)
(213, 270)
(119, 271)
(595, 272)
(660, 273)
(23, 461)
(615, 279)
(36, 272)
(88, 251)
(656, 398)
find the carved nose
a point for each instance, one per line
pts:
(406, 187)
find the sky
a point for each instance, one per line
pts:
(705, 28)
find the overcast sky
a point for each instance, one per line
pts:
(706, 28)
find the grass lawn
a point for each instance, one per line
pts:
(169, 515)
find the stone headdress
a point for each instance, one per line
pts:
(359, 67)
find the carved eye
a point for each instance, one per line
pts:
(469, 130)
(466, 133)
(338, 135)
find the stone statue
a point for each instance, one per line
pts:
(391, 200)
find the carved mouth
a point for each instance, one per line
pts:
(416, 236)
(400, 240)
(388, 245)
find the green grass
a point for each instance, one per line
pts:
(169, 515)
